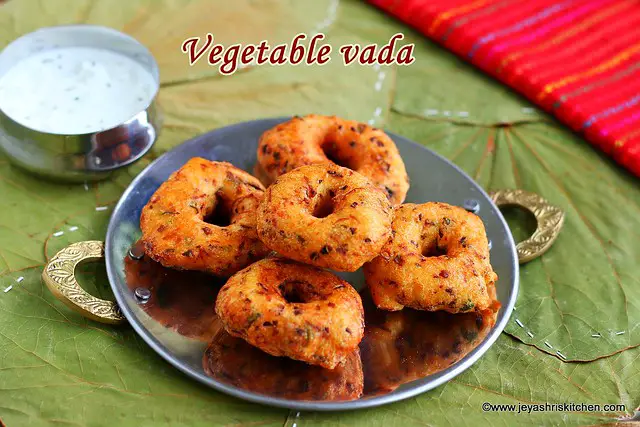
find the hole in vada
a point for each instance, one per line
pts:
(220, 216)
(330, 150)
(324, 207)
(293, 291)
(433, 250)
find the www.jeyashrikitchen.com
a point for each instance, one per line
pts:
(230, 58)
(528, 408)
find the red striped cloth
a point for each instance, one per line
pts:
(578, 60)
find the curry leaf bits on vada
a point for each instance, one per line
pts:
(290, 309)
(325, 215)
(328, 139)
(174, 223)
(436, 259)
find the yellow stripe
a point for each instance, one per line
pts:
(600, 68)
(620, 142)
(454, 12)
(563, 36)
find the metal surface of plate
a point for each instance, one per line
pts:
(433, 178)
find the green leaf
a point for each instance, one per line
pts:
(510, 373)
(57, 368)
(451, 90)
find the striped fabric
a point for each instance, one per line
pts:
(578, 60)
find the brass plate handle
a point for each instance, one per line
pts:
(549, 219)
(59, 276)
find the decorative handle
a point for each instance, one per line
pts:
(549, 218)
(59, 276)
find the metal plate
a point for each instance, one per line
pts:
(433, 178)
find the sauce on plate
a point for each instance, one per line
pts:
(397, 348)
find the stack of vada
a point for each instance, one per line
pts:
(334, 201)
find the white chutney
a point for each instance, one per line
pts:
(75, 90)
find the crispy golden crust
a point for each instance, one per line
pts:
(173, 228)
(322, 139)
(234, 361)
(457, 281)
(289, 309)
(325, 215)
(259, 173)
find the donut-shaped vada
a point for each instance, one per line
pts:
(174, 227)
(322, 139)
(325, 215)
(437, 259)
(289, 309)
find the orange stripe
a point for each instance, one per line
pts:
(563, 36)
(602, 67)
(454, 12)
